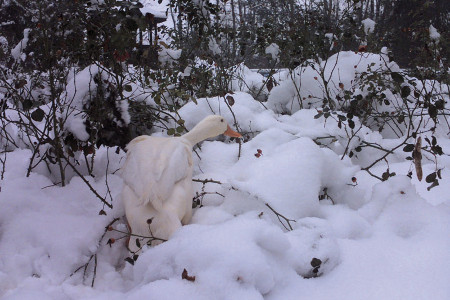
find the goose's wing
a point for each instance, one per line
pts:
(154, 165)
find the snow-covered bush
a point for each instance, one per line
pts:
(94, 110)
(299, 197)
(62, 93)
(377, 92)
(245, 80)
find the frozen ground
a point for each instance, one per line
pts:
(379, 240)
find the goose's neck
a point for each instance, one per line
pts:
(197, 134)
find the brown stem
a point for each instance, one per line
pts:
(280, 216)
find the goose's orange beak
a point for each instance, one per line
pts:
(231, 132)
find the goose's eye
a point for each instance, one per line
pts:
(221, 120)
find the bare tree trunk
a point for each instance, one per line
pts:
(372, 9)
(233, 47)
(377, 11)
(326, 12)
(180, 25)
(360, 13)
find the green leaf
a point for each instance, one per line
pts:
(433, 140)
(397, 77)
(406, 91)
(171, 131)
(20, 83)
(158, 99)
(38, 115)
(315, 262)
(351, 124)
(408, 148)
(180, 129)
(437, 150)
(431, 177)
(434, 184)
(440, 104)
(318, 115)
(432, 111)
(342, 118)
(27, 104)
(128, 88)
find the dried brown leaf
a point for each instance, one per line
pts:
(186, 276)
(270, 84)
(230, 100)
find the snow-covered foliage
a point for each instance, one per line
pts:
(244, 80)
(434, 34)
(214, 47)
(274, 51)
(259, 230)
(305, 87)
(369, 25)
(17, 51)
(168, 55)
(81, 89)
(363, 84)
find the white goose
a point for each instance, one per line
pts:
(157, 174)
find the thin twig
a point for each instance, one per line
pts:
(204, 181)
(87, 182)
(280, 216)
(95, 270)
(85, 266)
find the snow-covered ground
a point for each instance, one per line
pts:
(371, 240)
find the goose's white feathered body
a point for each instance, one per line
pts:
(157, 186)
(157, 174)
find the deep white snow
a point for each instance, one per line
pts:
(378, 240)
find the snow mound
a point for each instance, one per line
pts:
(259, 230)
(255, 258)
(47, 233)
